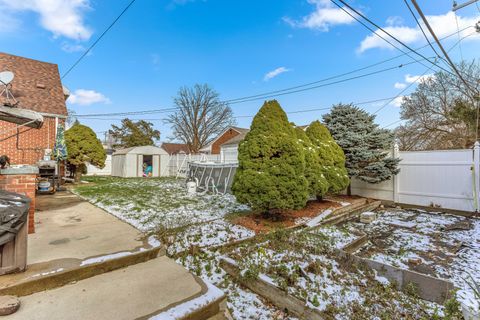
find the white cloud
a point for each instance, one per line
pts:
(397, 102)
(443, 25)
(9, 23)
(61, 17)
(87, 97)
(69, 47)
(411, 79)
(272, 74)
(324, 16)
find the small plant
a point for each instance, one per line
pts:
(452, 308)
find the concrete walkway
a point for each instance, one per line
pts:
(69, 231)
(68, 227)
(135, 292)
(75, 240)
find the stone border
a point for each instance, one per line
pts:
(277, 296)
(62, 278)
(355, 244)
(429, 288)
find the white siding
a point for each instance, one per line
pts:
(106, 171)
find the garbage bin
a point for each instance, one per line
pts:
(13, 231)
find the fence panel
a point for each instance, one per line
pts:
(442, 178)
(437, 178)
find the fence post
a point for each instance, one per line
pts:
(396, 178)
(476, 173)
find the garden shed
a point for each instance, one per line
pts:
(139, 162)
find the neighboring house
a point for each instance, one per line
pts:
(231, 132)
(175, 148)
(36, 86)
(229, 148)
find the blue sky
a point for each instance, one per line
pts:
(240, 48)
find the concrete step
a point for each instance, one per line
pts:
(157, 289)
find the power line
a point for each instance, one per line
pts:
(427, 24)
(98, 39)
(264, 97)
(329, 83)
(473, 91)
(251, 116)
(421, 28)
(384, 31)
(334, 76)
(458, 33)
(270, 93)
(424, 73)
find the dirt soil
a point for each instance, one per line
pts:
(260, 223)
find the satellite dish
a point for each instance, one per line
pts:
(6, 77)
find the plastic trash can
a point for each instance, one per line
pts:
(14, 209)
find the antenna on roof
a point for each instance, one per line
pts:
(6, 78)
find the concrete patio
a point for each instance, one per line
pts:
(84, 263)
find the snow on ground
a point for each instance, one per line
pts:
(214, 233)
(318, 219)
(186, 308)
(158, 204)
(415, 235)
(338, 237)
(153, 203)
(242, 303)
(302, 265)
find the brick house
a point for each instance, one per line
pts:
(36, 86)
(214, 146)
(175, 148)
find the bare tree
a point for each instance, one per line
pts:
(200, 117)
(441, 113)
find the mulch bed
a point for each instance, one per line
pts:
(260, 223)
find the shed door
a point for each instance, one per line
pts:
(156, 166)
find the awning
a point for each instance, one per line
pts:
(21, 117)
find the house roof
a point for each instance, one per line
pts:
(237, 139)
(241, 131)
(174, 148)
(145, 150)
(36, 85)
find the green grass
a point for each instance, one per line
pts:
(154, 203)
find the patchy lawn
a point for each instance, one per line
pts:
(155, 203)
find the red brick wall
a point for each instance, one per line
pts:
(223, 138)
(23, 184)
(28, 145)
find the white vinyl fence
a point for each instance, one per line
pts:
(441, 178)
(445, 179)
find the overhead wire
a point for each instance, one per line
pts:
(270, 93)
(384, 31)
(98, 39)
(422, 75)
